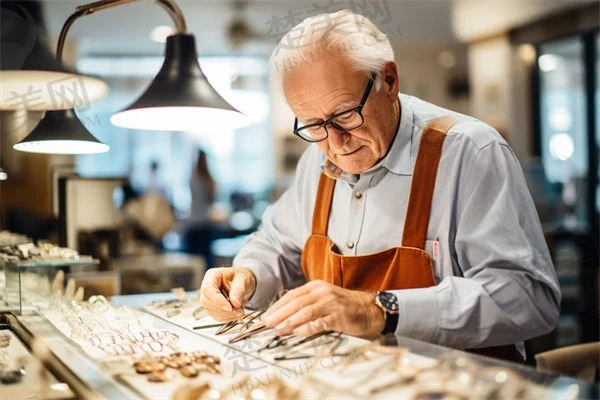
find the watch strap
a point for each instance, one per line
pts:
(391, 323)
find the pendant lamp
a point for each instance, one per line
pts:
(61, 132)
(42, 82)
(180, 98)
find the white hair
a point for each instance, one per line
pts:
(354, 35)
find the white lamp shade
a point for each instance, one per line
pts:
(62, 147)
(48, 90)
(180, 119)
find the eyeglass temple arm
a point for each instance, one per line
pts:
(169, 5)
(368, 89)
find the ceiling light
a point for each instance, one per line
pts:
(561, 146)
(548, 62)
(527, 53)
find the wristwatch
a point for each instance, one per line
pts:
(388, 302)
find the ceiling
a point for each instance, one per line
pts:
(126, 29)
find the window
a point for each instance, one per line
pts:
(563, 118)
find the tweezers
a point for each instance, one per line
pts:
(275, 342)
(251, 318)
(258, 328)
(244, 325)
(206, 326)
(338, 339)
(227, 327)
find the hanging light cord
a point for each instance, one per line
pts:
(169, 5)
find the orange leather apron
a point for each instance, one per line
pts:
(404, 267)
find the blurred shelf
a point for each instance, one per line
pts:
(50, 264)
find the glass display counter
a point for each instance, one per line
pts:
(28, 282)
(153, 351)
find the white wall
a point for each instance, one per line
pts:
(500, 91)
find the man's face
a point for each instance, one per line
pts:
(327, 86)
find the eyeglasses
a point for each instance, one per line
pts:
(344, 121)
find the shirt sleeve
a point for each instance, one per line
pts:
(273, 252)
(508, 291)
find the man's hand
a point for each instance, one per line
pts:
(238, 282)
(318, 306)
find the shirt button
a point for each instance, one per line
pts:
(350, 244)
(358, 195)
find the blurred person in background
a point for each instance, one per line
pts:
(403, 217)
(203, 190)
(199, 229)
(154, 184)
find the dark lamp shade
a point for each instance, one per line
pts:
(180, 98)
(32, 77)
(61, 132)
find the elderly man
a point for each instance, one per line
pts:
(403, 217)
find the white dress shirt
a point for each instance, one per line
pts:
(495, 280)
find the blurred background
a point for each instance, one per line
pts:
(161, 207)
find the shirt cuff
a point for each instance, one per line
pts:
(417, 313)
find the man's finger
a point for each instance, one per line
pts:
(290, 308)
(211, 289)
(223, 316)
(305, 315)
(287, 298)
(239, 286)
(325, 323)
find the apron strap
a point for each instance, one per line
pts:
(423, 182)
(323, 205)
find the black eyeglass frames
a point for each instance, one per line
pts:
(343, 121)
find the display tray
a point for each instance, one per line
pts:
(44, 379)
(409, 369)
(371, 378)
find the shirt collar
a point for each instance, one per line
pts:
(398, 160)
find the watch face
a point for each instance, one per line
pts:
(389, 301)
